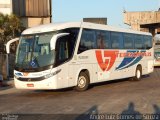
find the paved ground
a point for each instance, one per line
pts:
(121, 97)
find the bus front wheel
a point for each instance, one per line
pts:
(83, 82)
(138, 74)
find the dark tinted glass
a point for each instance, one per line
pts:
(138, 41)
(88, 40)
(103, 39)
(147, 42)
(116, 40)
(128, 41)
(65, 45)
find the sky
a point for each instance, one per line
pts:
(76, 10)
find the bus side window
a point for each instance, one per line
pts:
(128, 41)
(107, 40)
(138, 42)
(147, 42)
(72, 39)
(116, 40)
(88, 41)
(103, 39)
(100, 40)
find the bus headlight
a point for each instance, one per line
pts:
(52, 74)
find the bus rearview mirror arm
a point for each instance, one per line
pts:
(54, 39)
(9, 43)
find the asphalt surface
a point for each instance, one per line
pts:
(118, 97)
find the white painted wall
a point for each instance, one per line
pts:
(5, 1)
(6, 6)
(5, 10)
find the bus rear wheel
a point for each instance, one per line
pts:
(138, 74)
(83, 82)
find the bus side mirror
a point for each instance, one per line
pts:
(9, 43)
(54, 39)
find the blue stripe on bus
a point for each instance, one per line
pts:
(128, 62)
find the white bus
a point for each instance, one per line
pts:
(62, 55)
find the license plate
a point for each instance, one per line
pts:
(30, 85)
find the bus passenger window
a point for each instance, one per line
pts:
(138, 42)
(107, 40)
(116, 40)
(147, 42)
(128, 41)
(100, 41)
(88, 41)
(103, 39)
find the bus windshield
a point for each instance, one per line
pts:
(34, 51)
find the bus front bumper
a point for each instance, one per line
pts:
(50, 83)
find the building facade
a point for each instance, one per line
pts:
(148, 21)
(31, 12)
(6, 6)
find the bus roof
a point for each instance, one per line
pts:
(50, 27)
(59, 26)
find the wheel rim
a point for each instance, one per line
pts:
(81, 82)
(138, 74)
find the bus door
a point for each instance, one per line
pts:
(62, 56)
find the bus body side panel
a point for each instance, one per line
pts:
(118, 64)
(62, 77)
(149, 63)
(84, 61)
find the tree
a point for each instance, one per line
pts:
(10, 27)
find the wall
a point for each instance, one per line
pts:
(32, 8)
(33, 12)
(135, 19)
(6, 6)
(30, 22)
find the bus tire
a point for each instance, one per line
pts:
(138, 74)
(82, 82)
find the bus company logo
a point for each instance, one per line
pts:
(106, 59)
(131, 58)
